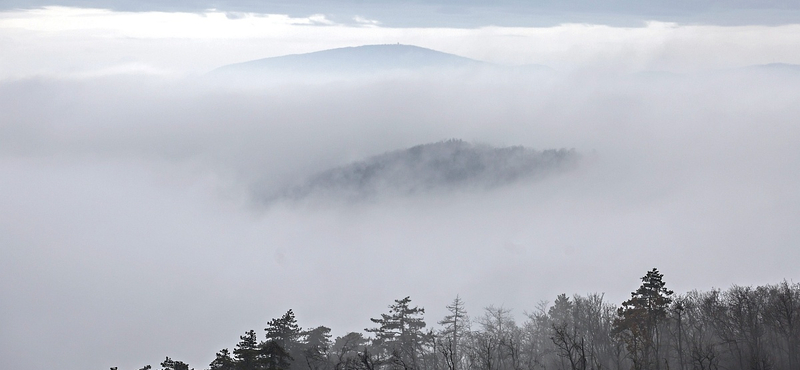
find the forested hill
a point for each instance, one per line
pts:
(445, 165)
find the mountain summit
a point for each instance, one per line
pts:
(358, 59)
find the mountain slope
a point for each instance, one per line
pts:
(446, 165)
(359, 59)
(774, 67)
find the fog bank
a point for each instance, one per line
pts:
(130, 231)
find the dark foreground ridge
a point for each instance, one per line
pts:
(445, 165)
(742, 328)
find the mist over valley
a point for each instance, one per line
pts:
(150, 213)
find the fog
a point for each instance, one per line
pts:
(79, 43)
(137, 210)
(131, 227)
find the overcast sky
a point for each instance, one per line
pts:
(129, 229)
(475, 13)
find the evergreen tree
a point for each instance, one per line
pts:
(274, 357)
(640, 318)
(223, 361)
(170, 364)
(247, 351)
(284, 330)
(400, 333)
(283, 345)
(315, 347)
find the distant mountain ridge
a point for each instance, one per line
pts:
(445, 165)
(775, 67)
(367, 58)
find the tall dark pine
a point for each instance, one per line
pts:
(640, 318)
(282, 346)
(274, 357)
(170, 364)
(399, 333)
(246, 353)
(284, 330)
(223, 361)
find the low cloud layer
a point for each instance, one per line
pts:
(130, 229)
(90, 42)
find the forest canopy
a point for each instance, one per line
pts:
(753, 328)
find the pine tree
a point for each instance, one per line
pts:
(246, 352)
(223, 361)
(400, 333)
(282, 346)
(639, 320)
(561, 311)
(284, 330)
(274, 356)
(170, 364)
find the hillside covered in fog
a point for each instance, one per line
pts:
(445, 165)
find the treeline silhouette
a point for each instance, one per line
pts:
(739, 328)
